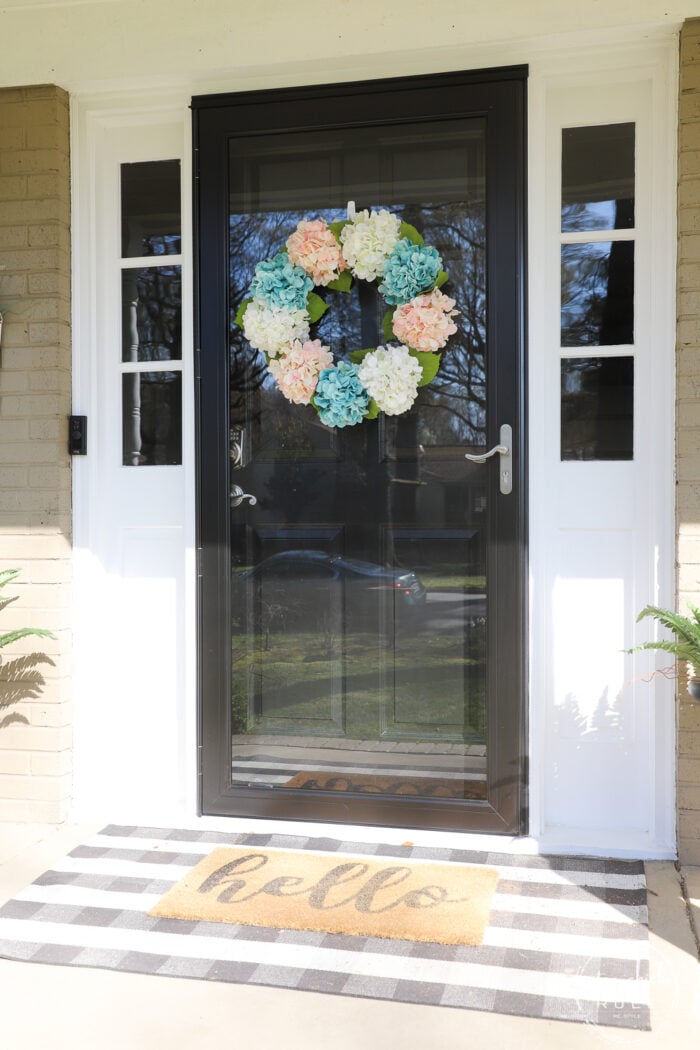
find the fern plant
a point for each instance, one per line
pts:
(6, 576)
(686, 629)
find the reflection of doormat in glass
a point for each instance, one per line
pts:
(331, 893)
(421, 787)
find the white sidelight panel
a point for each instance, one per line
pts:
(133, 495)
(602, 243)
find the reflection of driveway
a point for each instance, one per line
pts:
(452, 609)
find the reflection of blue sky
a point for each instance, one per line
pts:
(597, 216)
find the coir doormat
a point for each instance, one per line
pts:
(374, 784)
(566, 938)
(301, 890)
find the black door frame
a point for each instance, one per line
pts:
(499, 95)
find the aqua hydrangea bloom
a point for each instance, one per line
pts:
(278, 282)
(340, 398)
(410, 269)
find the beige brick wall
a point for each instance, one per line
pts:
(35, 495)
(688, 421)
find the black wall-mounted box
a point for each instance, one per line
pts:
(77, 435)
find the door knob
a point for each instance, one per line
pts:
(238, 495)
(505, 450)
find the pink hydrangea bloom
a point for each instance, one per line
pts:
(313, 247)
(297, 369)
(426, 322)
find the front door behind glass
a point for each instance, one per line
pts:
(366, 610)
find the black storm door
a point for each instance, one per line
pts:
(362, 616)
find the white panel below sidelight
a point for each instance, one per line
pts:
(151, 593)
(598, 719)
(130, 739)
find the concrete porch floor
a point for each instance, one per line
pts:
(46, 1007)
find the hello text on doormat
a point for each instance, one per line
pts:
(443, 903)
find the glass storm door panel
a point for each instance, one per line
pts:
(362, 613)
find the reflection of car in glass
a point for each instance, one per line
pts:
(319, 585)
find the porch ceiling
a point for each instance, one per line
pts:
(62, 41)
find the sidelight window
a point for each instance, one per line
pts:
(151, 298)
(597, 291)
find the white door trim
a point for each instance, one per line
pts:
(125, 125)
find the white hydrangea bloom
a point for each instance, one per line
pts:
(391, 375)
(270, 328)
(368, 241)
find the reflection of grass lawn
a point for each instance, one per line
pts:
(466, 584)
(427, 684)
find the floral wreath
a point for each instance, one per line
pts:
(282, 305)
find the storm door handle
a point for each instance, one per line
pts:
(505, 451)
(238, 495)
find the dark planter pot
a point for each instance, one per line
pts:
(694, 688)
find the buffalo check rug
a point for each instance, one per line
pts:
(567, 937)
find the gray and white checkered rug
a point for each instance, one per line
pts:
(567, 937)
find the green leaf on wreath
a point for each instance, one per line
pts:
(315, 307)
(342, 283)
(406, 230)
(372, 409)
(359, 355)
(442, 277)
(240, 313)
(388, 324)
(336, 227)
(429, 362)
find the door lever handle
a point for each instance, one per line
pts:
(502, 450)
(238, 495)
(505, 450)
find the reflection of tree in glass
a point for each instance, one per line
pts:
(151, 331)
(252, 238)
(452, 410)
(156, 295)
(166, 244)
(584, 288)
(597, 290)
(152, 418)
